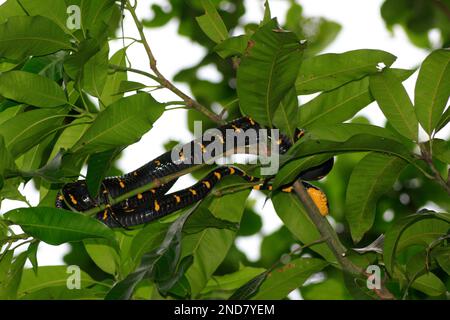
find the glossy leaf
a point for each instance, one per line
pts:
(341, 103)
(432, 89)
(373, 176)
(328, 71)
(356, 143)
(233, 280)
(122, 123)
(280, 282)
(27, 129)
(126, 86)
(47, 277)
(402, 234)
(114, 81)
(430, 284)
(296, 219)
(57, 226)
(24, 36)
(95, 72)
(233, 46)
(395, 103)
(98, 166)
(285, 118)
(203, 219)
(267, 72)
(212, 244)
(53, 10)
(211, 23)
(10, 284)
(289, 172)
(31, 89)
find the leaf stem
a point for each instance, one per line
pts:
(160, 77)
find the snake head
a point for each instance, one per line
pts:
(76, 196)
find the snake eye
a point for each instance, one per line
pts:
(86, 199)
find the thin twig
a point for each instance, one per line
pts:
(326, 230)
(160, 77)
(442, 6)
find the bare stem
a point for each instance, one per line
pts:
(326, 230)
(160, 77)
(427, 157)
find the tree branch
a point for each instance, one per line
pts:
(326, 231)
(160, 77)
(442, 6)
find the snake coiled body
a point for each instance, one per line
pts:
(155, 203)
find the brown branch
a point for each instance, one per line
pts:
(160, 77)
(442, 6)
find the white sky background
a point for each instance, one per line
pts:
(362, 27)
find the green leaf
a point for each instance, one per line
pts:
(95, 72)
(430, 284)
(281, 281)
(211, 23)
(98, 166)
(6, 161)
(114, 80)
(356, 143)
(294, 216)
(147, 239)
(47, 277)
(432, 89)
(10, 284)
(268, 71)
(444, 120)
(203, 218)
(395, 103)
(212, 244)
(157, 264)
(233, 46)
(289, 172)
(126, 86)
(10, 9)
(442, 256)
(103, 255)
(57, 226)
(54, 10)
(373, 176)
(441, 150)
(62, 293)
(332, 288)
(31, 89)
(329, 71)
(421, 228)
(122, 123)
(233, 280)
(340, 104)
(74, 63)
(32, 254)
(285, 118)
(24, 36)
(27, 129)
(250, 288)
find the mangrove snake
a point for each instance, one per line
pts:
(155, 203)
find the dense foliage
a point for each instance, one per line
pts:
(63, 105)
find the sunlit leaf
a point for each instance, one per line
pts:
(31, 89)
(331, 70)
(122, 123)
(432, 89)
(268, 71)
(57, 226)
(395, 103)
(373, 176)
(24, 36)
